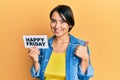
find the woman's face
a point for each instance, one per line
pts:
(59, 26)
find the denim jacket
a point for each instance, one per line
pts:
(73, 67)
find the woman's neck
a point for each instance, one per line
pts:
(62, 39)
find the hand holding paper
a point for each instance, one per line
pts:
(33, 54)
(34, 42)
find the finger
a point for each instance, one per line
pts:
(35, 48)
(86, 43)
(77, 51)
(36, 51)
(31, 49)
(77, 48)
(33, 53)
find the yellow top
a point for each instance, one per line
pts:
(55, 69)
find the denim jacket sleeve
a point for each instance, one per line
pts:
(89, 72)
(34, 73)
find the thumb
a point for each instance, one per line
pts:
(86, 43)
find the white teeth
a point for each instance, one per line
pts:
(57, 30)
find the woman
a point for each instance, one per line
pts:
(67, 57)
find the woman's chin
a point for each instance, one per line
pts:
(58, 34)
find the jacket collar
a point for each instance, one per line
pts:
(73, 40)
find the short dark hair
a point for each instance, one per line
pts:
(66, 11)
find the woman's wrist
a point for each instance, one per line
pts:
(36, 66)
(35, 62)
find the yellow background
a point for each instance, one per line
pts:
(97, 21)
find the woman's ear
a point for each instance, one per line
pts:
(70, 26)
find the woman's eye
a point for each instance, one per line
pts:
(53, 20)
(62, 21)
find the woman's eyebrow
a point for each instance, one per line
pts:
(58, 20)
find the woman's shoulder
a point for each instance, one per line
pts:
(75, 40)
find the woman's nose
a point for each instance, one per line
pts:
(57, 25)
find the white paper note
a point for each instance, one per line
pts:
(39, 41)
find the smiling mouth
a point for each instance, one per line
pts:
(57, 31)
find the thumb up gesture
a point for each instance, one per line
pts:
(81, 51)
